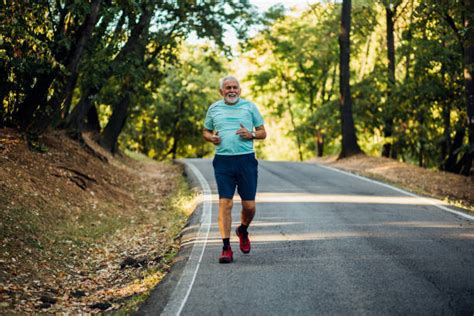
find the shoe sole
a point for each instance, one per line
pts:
(237, 232)
(225, 260)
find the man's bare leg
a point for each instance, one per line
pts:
(246, 217)
(248, 212)
(224, 218)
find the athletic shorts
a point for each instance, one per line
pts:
(239, 171)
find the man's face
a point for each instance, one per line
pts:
(230, 91)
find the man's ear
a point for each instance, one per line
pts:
(221, 92)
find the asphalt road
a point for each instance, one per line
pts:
(323, 243)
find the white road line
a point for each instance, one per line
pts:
(181, 293)
(425, 200)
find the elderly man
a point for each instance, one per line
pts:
(231, 125)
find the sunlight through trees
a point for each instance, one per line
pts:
(393, 79)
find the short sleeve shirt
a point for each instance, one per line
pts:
(226, 120)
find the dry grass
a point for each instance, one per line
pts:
(69, 219)
(455, 189)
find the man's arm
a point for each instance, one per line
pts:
(211, 137)
(259, 133)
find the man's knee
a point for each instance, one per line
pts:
(226, 204)
(248, 205)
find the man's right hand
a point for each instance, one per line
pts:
(210, 136)
(215, 139)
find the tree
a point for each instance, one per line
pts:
(468, 51)
(63, 36)
(171, 126)
(349, 139)
(294, 71)
(56, 53)
(172, 23)
(390, 13)
(451, 12)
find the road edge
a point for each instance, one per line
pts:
(161, 296)
(460, 213)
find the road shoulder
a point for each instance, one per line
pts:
(456, 190)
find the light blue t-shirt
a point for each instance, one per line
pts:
(226, 120)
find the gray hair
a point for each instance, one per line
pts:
(227, 78)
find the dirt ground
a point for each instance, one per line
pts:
(82, 231)
(455, 189)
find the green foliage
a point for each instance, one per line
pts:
(293, 72)
(96, 52)
(171, 125)
(432, 88)
(294, 61)
(290, 69)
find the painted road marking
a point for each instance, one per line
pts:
(435, 203)
(181, 293)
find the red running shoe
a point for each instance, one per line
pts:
(244, 241)
(227, 256)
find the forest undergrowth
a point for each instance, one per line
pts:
(453, 189)
(83, 231)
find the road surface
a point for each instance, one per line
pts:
(324, 242)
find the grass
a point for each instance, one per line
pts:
(19, 225)
(416, 190)
(138, 156)
(176, 211)
(58, 237)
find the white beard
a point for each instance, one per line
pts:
(231, 99)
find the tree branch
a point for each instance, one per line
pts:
(453, 26)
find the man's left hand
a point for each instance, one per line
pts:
(243, 132)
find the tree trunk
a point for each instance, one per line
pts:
(451, 164)
(116, 123)
(468, 82)
(174, 148)
(120, 113)
(349, 139)
(446, 116)
(143, 139)
(63, 83)
(174, 136)
(323, 85)
(298, 141)
(446, 144)
(36, 98)
(318, 89)
(286, 88)
(409, 37)
(75, 120)
(92, 123)
(388, 124)
(332, 90)
(365, 58)
(68, 100)
(66, 84)
(77, 116)
(421, 119)
(319, 143)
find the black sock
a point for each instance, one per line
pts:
(243, 228)
(226, 242)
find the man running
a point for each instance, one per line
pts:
(232, 124)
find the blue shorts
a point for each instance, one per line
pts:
(239, 171)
